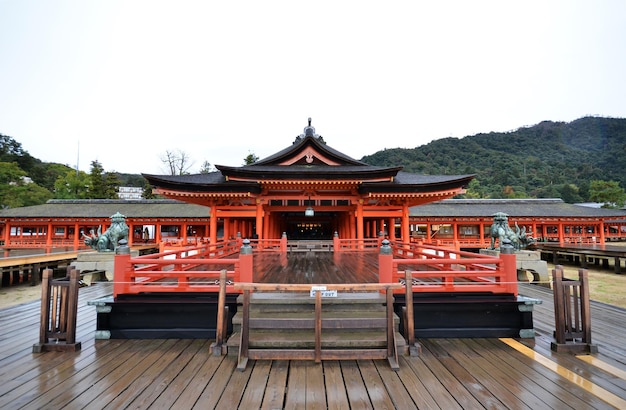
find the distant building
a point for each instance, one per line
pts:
(129, 192)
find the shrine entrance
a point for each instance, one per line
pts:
(321, 226)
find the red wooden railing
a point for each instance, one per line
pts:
(191, 269)
(433, 269)
(347, 245)
(438, 269)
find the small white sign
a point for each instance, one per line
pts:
(325, 293)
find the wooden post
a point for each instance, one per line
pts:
(336, 243)
(318, 326)
(392, 351)
(572, 313)
(121, 269)
(219, 348)
(415, 349)
(245, 263)
(59, 307)
(242, 362)
(509, 266)
(385, 263)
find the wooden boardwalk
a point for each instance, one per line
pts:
(181, 374)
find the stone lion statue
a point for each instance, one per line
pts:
(502, 233)
(107, 241)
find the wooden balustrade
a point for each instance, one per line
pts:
(59, 306)
(191, 269)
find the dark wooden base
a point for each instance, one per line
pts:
(163, 316)
(194, 317)
(463, 315)
(56, 347)
(573, 347)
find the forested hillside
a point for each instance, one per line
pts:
(584, 160)
(550, 159)
(25, 180)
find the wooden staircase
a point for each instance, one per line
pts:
(297, 325)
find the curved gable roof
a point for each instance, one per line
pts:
(310, 159)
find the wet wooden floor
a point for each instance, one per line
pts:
(182, 374)
(316, 267)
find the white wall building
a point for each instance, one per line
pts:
(129, 192)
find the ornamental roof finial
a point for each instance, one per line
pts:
(309, 131)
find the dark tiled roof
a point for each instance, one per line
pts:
(290, 150)
(512, 207)
(211, 178)
(103, 208)
(167, 208)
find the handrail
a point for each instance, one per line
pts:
(179, 270)
(350, 244)
(318, 354)
(438, 269)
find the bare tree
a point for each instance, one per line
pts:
(177, 162)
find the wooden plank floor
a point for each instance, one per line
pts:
(316, 267)
(182, 374)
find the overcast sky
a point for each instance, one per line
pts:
(122, 82)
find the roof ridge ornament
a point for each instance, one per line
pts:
(309, 131)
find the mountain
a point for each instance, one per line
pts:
(547, 160)
(550, 159)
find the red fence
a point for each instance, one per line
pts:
(192, 269)
(431, 268)
(437, 269)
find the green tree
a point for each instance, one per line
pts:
(111, 185)
(16, 189)
(250, 159)
(147, 192)
(28, 195)
(73, 185)
(607, 192)
(97, 186)
(569, 194)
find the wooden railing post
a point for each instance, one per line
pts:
(385, 263)
(59, 307)
(121, 268)
(242, 362)
(415, 349)
(572, 313)
(219, 347)
(509, 267)
(283, 242)
(318, 326)
(336, 243)
(246, 262)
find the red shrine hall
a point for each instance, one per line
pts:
(311, 217)
(309, 191)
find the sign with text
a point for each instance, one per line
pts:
(325, 292)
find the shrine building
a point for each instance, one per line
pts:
(309, 191)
